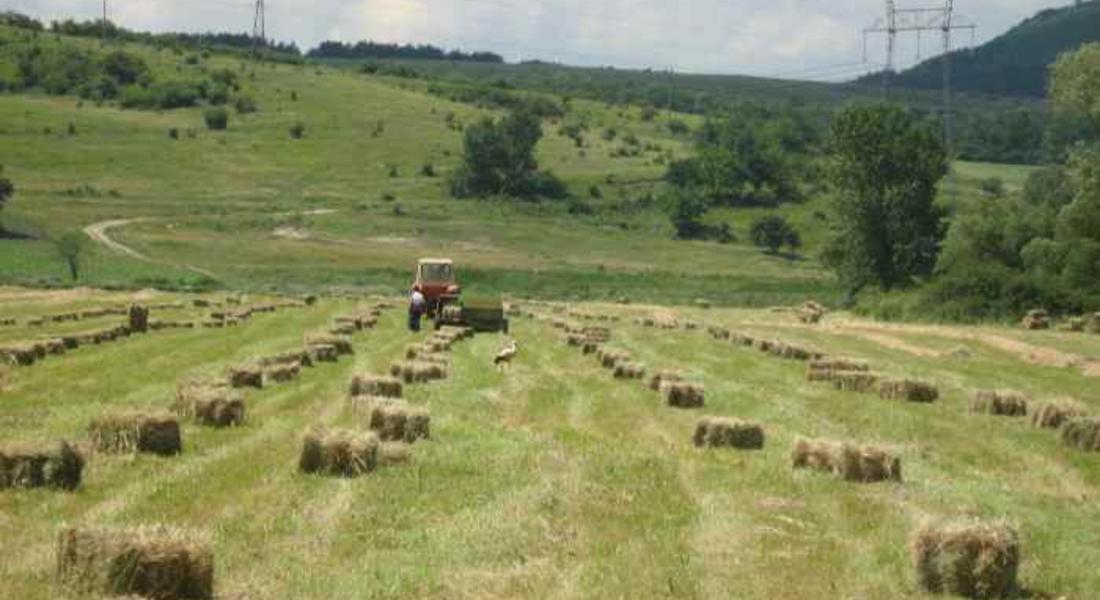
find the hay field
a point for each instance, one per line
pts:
(551, 478)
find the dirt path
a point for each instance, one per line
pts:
(98, 233)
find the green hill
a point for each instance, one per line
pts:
(1013, 64)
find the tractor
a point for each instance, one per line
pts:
(437, 281)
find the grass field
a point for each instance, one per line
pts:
(550, 478)
(348, 205)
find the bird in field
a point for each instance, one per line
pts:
(506, 354)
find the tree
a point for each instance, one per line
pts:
(1075, 82)
(70, 247)
(773, 233)
(735, 166)
(498, 158)
(7, 190)
(685, 211)
(886, 227)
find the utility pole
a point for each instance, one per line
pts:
(259, 33)
(103, 25)
(917, 20)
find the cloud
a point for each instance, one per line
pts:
(808, 38)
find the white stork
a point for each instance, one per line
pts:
(506, 354)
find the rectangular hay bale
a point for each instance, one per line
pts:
(375, 385)
(682, 394)
(149, 562)
(153, 433)
(908, 390)
(967, 558)
(864, 464)
(58, 465)
(1005, 403)
(338, 452)
(1082, 433)
(722, 432)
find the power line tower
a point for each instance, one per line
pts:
(259, 33)
(898, 20)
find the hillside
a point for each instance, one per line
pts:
(1015, 63)
(349, 203)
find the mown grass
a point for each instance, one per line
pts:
(551, 479)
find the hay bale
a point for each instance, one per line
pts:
(909, 390)
(341, 343)
(338, 452)
(343, 330)
(303, 357)
(354, 322)
(966, 558)
(57, 466)
(660, 377)
(863, 464)
(282, 373)
(153, 433)
(1036, 319)
(811, 312)
(1082, 433)
(1005, 403)
(246, 376)
(610, 357)
(375, 385)
(791, 352)
(1053, 413)
(393, 419)
(720, 432)
(19, 354)
(854, 381)
(629, 370)
(322, 353)
(138, 318)
(832, 365)
(211, 403)
(52, 346)
(148, 562)
(598, 335)
(740, 339)
(719, 333)
(418, 371)
(681, 394)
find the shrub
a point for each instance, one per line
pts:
(993, 187)
(297, 131)
(548, 185)
(427, 170)
(217, 119)
(773, 233)
(678, 127)
(245, 105)
(595, 192)
(174, 133)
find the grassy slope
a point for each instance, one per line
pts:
(553, 480)
(218, 198)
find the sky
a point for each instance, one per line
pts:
(797, 39)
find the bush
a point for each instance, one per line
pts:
(427, 170)
(174, 133)
(217, 119)
(678, 127)
(548, 185)
(595, 192)
(297, 131)
(993, 187)
(773, 233)
(245, 105)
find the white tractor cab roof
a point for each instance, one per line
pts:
(435, 270)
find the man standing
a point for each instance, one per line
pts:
(417, 305)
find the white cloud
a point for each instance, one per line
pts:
(798, 37)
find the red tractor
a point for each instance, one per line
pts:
(437, 281)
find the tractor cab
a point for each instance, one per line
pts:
(436, 278)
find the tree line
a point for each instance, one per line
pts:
(374, 50)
